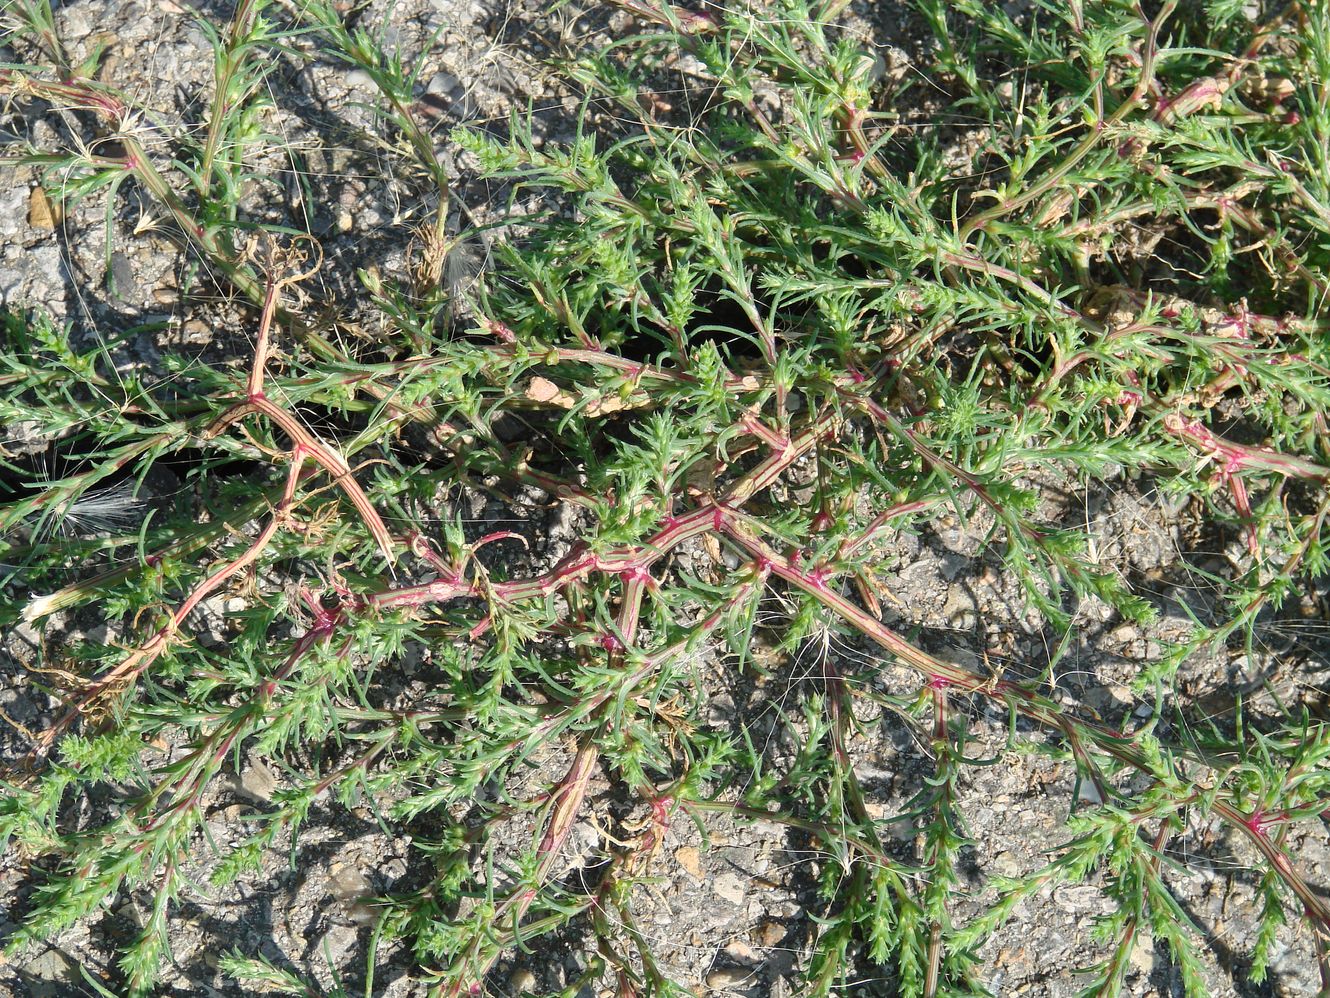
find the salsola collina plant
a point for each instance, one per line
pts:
(780, 326)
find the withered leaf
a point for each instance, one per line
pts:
(43, 213)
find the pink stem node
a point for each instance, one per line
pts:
(817, 578)
(1258, 821)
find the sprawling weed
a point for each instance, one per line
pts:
(772, 321)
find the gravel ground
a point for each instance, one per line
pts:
(728, 913)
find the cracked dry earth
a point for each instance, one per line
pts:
(728, 912)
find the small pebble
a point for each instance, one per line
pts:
(688, 858)
(730, 887)
(75, 26)
(258, 781)
(347, 884)
(1143, 957)
(770, 934)
(724, 978)
(963, 620)
(740, 952)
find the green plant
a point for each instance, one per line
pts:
(779, 334)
